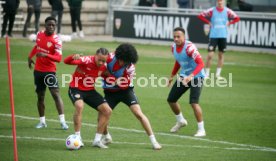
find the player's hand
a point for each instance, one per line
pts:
(41, 54)
(105, 73)
(187, 79)
(170, 81)
(77, 56)
(30, 62)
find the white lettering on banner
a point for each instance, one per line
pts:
(152, 26)
(252, 33)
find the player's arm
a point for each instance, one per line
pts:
(57, 56)
(193, 53)
(233, 16)
(32, 53)
(205, 15)
(73, 59)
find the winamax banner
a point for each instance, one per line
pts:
(251, 32)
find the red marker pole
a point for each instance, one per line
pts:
(11, 98)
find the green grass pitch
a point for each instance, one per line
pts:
(239, 120)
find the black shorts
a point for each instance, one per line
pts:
(91, 97)
(45, 79)
(179, 89)
(214, 42)
(128, 97)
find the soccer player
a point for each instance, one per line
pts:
(48, 51)
(82, 90)
(189, 61)
(118, 87)
(219, 20)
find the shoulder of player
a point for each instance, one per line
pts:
(191, 48)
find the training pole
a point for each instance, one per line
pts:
(11, 98)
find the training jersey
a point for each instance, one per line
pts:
(52, 46)
(86, 73)
(219, 18)
(188, 59)
(116, 71)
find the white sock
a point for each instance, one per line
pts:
(218, 71)
(78, 133)
(98, 137)
(62, 118)
(200, 126)
(207, 71)
(179, 117)
(152, 139)
(42, 119)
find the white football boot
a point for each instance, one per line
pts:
(200, 133)
(41, 125)
(178, 125)
(99, 144)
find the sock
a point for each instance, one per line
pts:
(207, 70)
(201, 126)
(152, 139)
(78, 133)
(218, 71)
(42, 119)
(61, 118)
(98, 137)
(179, 117)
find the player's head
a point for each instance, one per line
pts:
(50, 25)
(220, 3)
(101, 56)
(126, 54)
(179, 36)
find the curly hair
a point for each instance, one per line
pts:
(127, 53)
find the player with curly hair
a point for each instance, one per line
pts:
(118, 87)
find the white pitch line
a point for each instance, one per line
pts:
(260, 148)
(131, 143)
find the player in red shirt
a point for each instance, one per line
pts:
(82, 90)
(48, 51)
(118, 87)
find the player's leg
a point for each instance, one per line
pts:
(129, 98)
(221, 47)
(40, 91)
(104, 113)
(195, 92)
(136, 110)
(112, 98)
(96, 101)
(76, 97)
(54, 90)
(211, 49)
(59, 106)
(41, 109)
(176, 92)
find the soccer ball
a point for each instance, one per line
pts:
(32, 37)
(73, 142)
